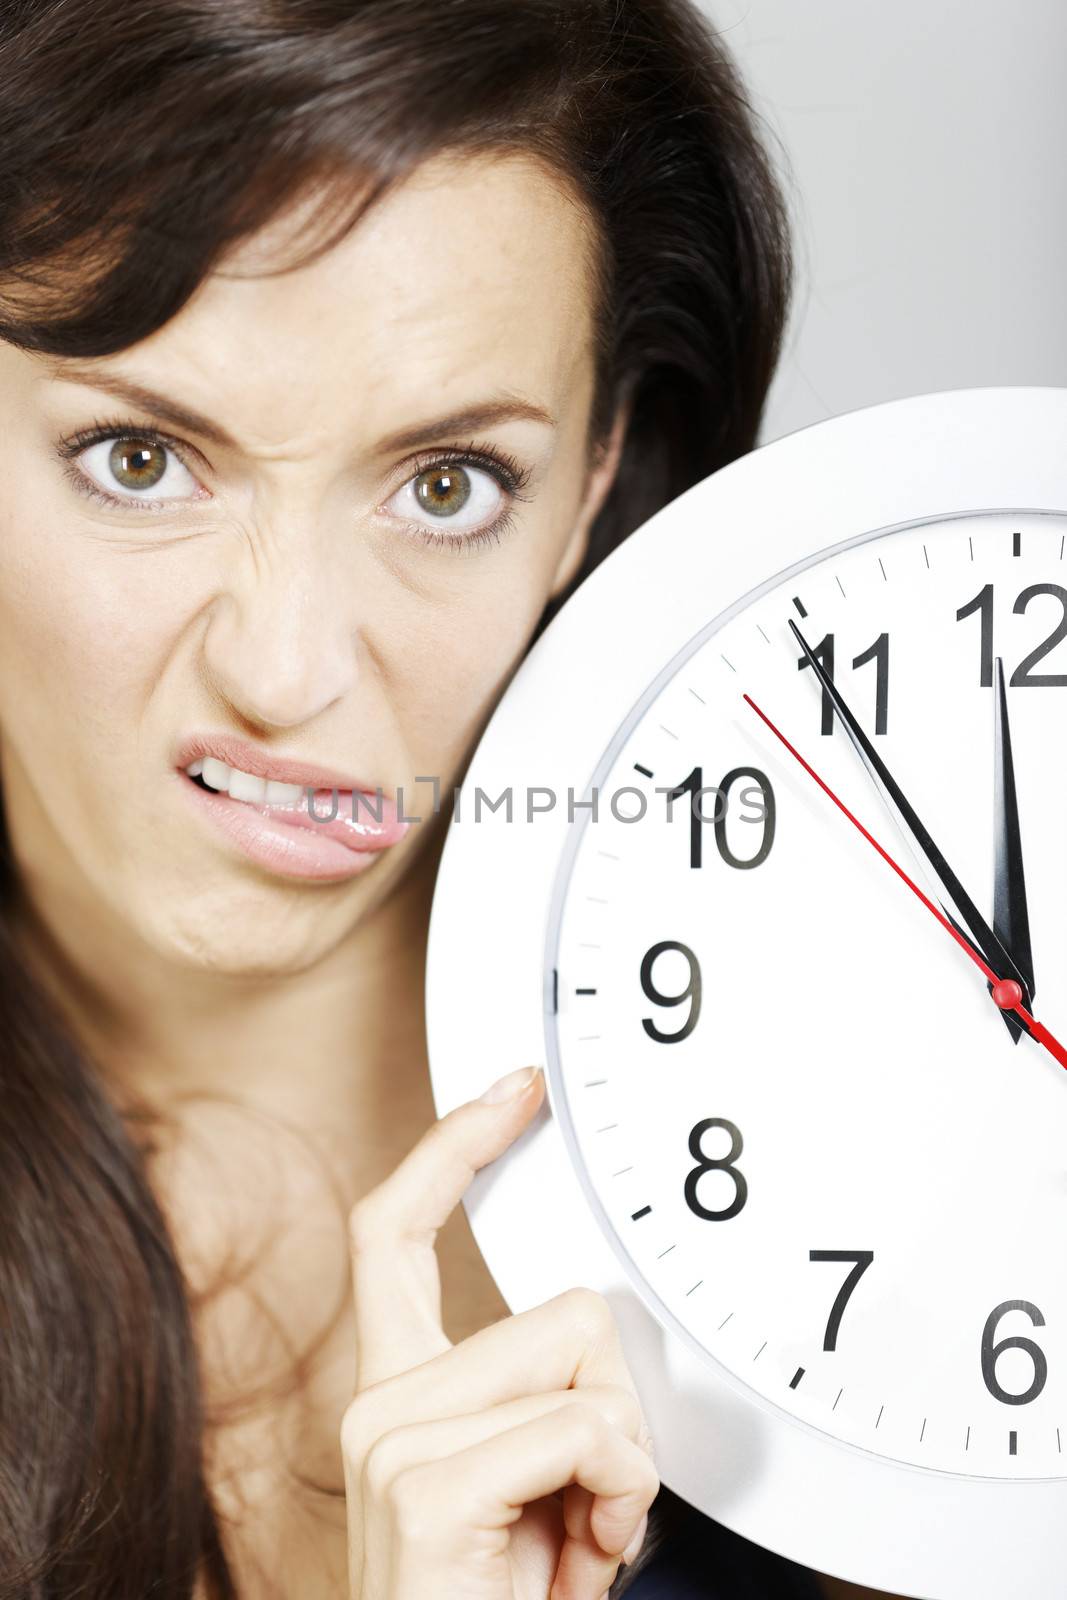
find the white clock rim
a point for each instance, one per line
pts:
(825, 1502)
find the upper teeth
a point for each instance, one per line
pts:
(243, 785)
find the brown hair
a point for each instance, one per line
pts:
(139, 144)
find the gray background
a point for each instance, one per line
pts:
(924, 151)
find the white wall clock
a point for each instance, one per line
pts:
(818, 1171)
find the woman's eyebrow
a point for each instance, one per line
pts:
(147, 400)
(502, 407)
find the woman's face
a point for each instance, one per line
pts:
(263, 568)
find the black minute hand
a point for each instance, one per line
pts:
(1011, 921)
(987, 941)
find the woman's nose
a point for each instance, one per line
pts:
(282, 644)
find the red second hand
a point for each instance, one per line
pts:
(1006, 992)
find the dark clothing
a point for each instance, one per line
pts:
(696, 1558)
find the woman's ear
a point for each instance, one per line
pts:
(598, 484)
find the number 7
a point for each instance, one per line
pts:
(863, 1259)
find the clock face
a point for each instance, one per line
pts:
(816, 1173)
(810, 1137)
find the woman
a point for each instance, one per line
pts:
(339, 340)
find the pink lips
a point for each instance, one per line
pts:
(288, 839)
(362, 822)
(239, 753)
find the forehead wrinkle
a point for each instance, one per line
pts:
(447, 325)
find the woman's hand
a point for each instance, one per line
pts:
(515, 1465)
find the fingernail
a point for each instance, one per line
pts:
(509, 1087)
(633, 1548)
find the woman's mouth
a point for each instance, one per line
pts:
(290, 829)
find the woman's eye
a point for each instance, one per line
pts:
(453, 497)
(138, 468)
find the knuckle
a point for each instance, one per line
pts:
(650, 1483)
(360, 1427)
(383, 1464)
(637, 1498)
(590, 1312)
(413, 1506)
(352, 1431)
(587, 1426)
(441, 1137)
(623, 1409)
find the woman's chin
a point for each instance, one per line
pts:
(243, 932)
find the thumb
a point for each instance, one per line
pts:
(508, 1088)
(395, 1277)
(434, 1177)
(471, 1136)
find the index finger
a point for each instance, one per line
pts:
(396, 1282)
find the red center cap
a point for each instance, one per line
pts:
(1007, 994)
